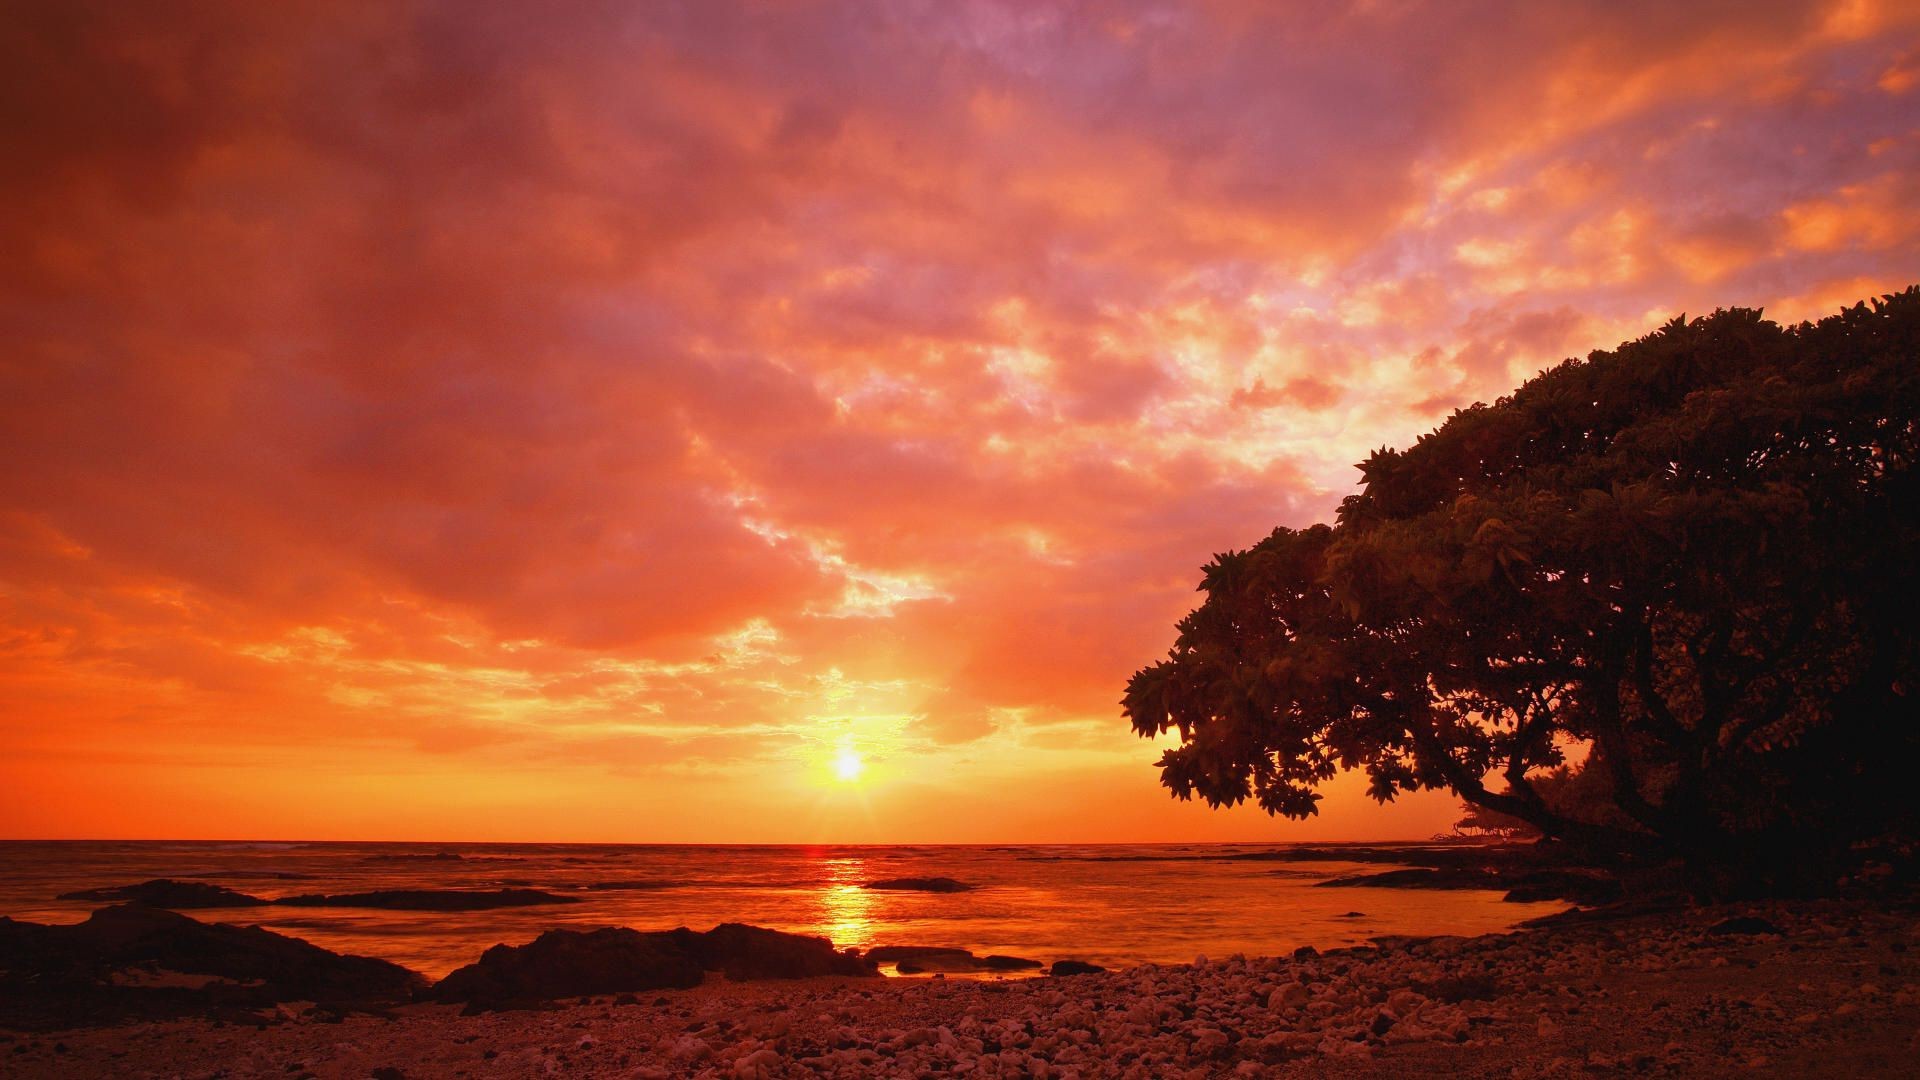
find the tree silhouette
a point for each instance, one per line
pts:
(1691, 558)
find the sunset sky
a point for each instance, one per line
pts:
(794, 422)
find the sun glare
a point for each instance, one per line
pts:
(848, 765)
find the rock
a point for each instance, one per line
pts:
(1458, 877)
(919, 884)
(996, 962)
(1744, 925)
(1305, 952)
(135, 961)
(1404, 1002)
(1291, 996)
(572, 963)
(569, 963)
(1586, 889)
(886, 954)
(438, 856)
(431, 899)
(171, 894)
(751, 952)
(1074, 967)
(924, 959)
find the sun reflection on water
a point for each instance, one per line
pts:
(845, 907)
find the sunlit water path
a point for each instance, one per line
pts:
(1110, 904)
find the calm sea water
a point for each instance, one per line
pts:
(1110, 904)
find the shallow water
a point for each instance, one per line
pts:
(1109, 904)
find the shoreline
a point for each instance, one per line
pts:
(1837, 992)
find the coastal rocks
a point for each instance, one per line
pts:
(431, 899)
(572, 963)
(171, 894)
(135, 960)
(1074, 967)
(919, 884)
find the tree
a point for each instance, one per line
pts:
(1693, 557)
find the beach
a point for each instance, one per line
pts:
(1769, 989)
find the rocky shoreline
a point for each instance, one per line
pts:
(1815, 988)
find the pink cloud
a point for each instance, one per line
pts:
(683, 390)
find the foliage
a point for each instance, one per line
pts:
(1693, 557)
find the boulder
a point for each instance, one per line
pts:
(432, 899)
(171, 894)
(919, 884)
(752, 952)
(570, 963)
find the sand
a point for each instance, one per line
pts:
(1833, 994)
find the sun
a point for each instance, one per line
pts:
(847, 765)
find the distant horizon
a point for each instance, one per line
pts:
(695, 843)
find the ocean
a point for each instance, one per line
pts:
(1113, 905)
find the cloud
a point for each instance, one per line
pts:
(668, 396)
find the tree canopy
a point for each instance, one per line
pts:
(1691, 559)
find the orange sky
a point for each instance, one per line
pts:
(587, 422)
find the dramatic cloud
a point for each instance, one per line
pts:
(582, 421)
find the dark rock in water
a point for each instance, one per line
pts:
(997, 962)
(572, 963)
(1743, 925)
(168, 893)
(1522, 887)
(1305, 952)
(1419, 878)
(438, 856)
(919, 884)
(1352, 915)
(134, 961)
(625, 886)
(1074, 967)
(882, 954)
(431, 899)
